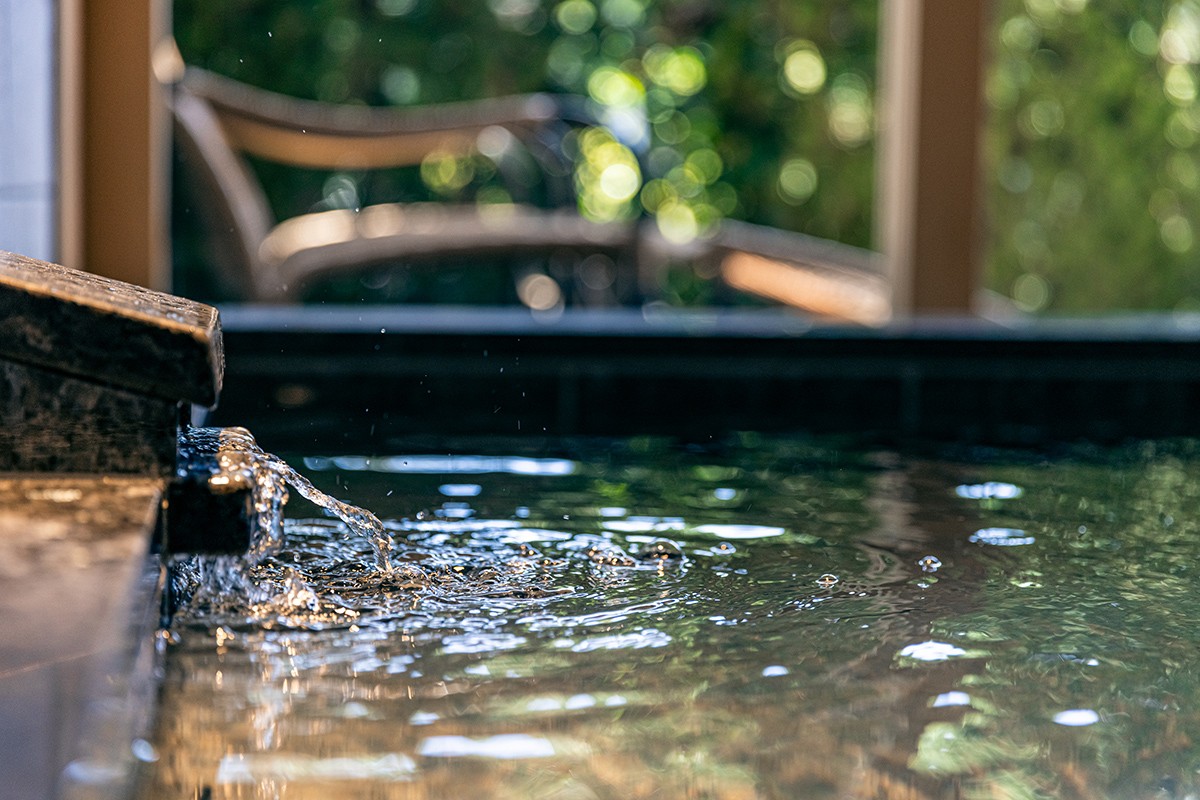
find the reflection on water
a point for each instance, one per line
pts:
(765, 619)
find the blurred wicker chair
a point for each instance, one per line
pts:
(219, 121)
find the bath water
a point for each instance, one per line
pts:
(756, 618)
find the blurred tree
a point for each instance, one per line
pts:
(764, 111)
(1094, 186)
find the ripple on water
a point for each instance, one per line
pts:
(732, 670)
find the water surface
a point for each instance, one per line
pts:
(761, 618)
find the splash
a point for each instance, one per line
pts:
(308, 575)
(251, 586)
(242, 462)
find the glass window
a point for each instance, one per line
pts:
(700, 112)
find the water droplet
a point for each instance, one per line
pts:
(661, 550)
(143, 751)
(929, 563)
(827, 580)
(952, 699)
(932, 651)
(1001, 537)
(1077, 717)
(297, 595)
(992, 490)
(610, 556)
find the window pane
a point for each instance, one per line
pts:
(747, 110)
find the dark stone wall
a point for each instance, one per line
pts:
(50, 422)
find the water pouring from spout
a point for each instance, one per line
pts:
(242, 463)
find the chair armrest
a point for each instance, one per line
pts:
(818, 275)
(308, 247)
(321, 135)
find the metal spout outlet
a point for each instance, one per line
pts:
(209, 507)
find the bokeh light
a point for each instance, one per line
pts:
(850, 113)
(539, 292)
(677, 221)
(612, 86)
(623, 13)
(575, 16)
(447, 173)
(803, 68)
(1031, 292)
(400, 84)
(797, 180)
(681, 69)
(607, 177)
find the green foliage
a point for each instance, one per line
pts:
(1094, 190)
(765, 112)
(757, 111)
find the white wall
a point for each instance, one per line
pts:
(27, 127)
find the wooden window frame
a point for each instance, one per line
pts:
(928, 203)
(113, 140)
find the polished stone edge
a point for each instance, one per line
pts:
(56, 423)
(118, 720)
(108, 331)
(714, 324)
(80, 590)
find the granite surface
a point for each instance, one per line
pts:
(109, 332)
(50, 422)
(77, 613)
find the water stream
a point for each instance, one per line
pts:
(232, 582)
(240, 458)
